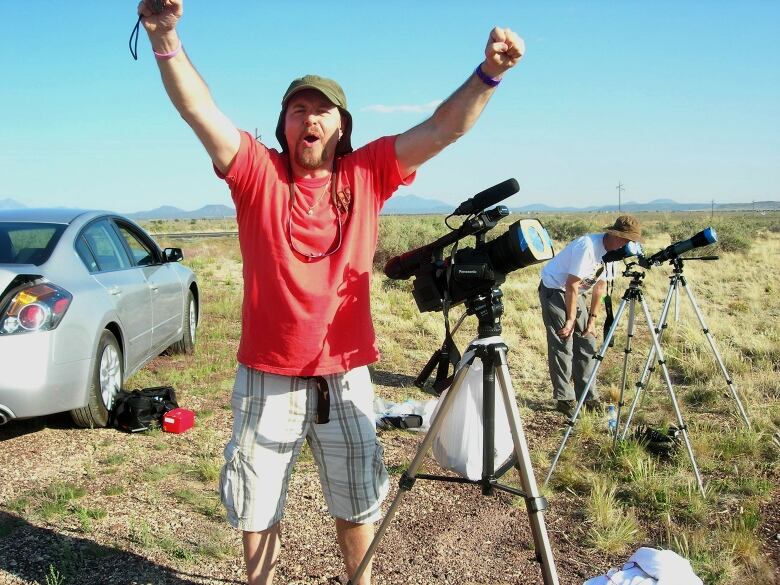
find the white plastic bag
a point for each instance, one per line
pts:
(458, 446)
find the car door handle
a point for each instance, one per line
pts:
(115, 290)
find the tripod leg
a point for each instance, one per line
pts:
(672, 396)
(676, 283)
(626, 352)
(535, 504)
(488, 421)
(599, 357)
(408, 478)
(649, 367)
(716, 353)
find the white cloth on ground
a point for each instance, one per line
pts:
(650, 566)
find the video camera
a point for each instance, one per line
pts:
(472, 271)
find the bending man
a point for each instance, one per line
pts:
(569, 319)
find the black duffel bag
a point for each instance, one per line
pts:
(141, 410)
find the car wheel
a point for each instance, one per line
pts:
(105, 383)
(187, 342)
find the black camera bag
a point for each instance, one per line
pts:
(657, 442)
(141, 410)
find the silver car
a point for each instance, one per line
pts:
(86, 299)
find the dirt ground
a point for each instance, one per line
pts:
(443, 532)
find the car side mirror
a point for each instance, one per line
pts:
(172, 255)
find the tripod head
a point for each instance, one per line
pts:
(635, 276)
(488, 308)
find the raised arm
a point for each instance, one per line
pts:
(458, 113)
(188, 92)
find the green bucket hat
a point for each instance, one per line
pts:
(331, 90)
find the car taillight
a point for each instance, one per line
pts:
(31, 317)
(36, 308)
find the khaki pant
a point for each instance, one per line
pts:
(571, 360)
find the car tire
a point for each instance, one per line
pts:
(104, 383)
(186, 344)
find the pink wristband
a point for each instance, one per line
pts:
(166, 56)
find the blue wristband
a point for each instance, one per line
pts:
(490, 81)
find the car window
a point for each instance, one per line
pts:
(28, 243)
(82, 248)
(141, 252)
(106, 247)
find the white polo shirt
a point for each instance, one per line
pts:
(581, 258)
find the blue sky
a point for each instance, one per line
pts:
(673, 99)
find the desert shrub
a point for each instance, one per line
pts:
(652, 228)
(566, 229)
(399, 233)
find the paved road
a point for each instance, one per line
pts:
(188, 235)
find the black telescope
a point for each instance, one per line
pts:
(703, 238)
(627, 251)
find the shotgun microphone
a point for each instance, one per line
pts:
(488, 197)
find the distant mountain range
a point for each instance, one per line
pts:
(11, 204)
(655, 205)
(169, 212)
(413, 204)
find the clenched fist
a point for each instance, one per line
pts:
(160, 16)
(503, 50)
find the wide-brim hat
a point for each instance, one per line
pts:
(333, 92)
(627, 226)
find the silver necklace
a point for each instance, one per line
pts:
(310, 211)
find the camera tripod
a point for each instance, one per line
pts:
(676, 281)
(630, 297)
(491, 350)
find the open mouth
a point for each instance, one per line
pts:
(311, 138)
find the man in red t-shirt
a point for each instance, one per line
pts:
(307, 220)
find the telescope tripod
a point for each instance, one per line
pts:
(630, 297)
(677, 281)
(491, 350)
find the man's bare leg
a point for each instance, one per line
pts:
(354, 540)
(261, 552)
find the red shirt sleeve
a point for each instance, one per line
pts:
(379, 158)
(247, 170)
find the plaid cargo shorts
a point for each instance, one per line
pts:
(272, 416)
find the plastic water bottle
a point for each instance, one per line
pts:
(611, 419)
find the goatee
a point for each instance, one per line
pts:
(309, 160)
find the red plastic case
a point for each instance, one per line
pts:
(178, 420)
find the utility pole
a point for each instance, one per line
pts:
(257, 136)
(712, 212)
(620, 190)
